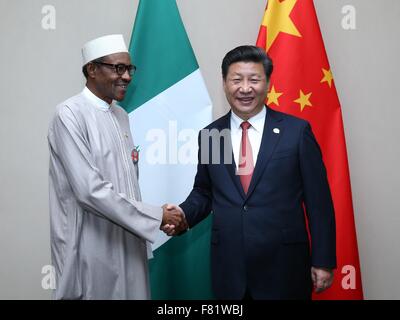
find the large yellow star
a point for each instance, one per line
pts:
(304, 100)
(276, 19)
(273, 96)
(327, 77)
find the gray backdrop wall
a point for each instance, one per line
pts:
(40, 68)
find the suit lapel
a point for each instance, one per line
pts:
(273, 130)
(230, 166)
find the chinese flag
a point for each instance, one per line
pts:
(302, 85)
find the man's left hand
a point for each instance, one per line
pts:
(322, 278)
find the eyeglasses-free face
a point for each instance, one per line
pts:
(246, 88)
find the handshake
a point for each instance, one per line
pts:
(173, 220)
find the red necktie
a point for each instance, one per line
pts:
(246, 163)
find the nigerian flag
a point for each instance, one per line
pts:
(168, 104)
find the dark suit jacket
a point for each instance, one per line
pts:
(259, 240)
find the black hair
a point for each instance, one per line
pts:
(247, 54)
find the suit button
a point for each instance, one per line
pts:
(245, 208)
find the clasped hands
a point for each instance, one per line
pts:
(173, 220)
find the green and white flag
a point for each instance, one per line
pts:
(168, 104)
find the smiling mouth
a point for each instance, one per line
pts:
(245, 100)
(122, 87)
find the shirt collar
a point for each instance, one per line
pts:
(99, 103)
(257, 121)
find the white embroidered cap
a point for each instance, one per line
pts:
(103, 46)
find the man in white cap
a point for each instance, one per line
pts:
(100, 229)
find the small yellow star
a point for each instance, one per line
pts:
(327, 77)
(276, 19)
(304, 100)
(273, 96)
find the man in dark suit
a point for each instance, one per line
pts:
(259, 171)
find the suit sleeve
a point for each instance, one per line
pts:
(198, 204)
(92, 191)
(318, 202)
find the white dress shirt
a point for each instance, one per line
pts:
(255, 133)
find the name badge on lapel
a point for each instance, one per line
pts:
(135, 154)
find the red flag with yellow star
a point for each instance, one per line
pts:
(302, 85)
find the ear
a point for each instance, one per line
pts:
(91, 69)
(224, 83)
(266, 93)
